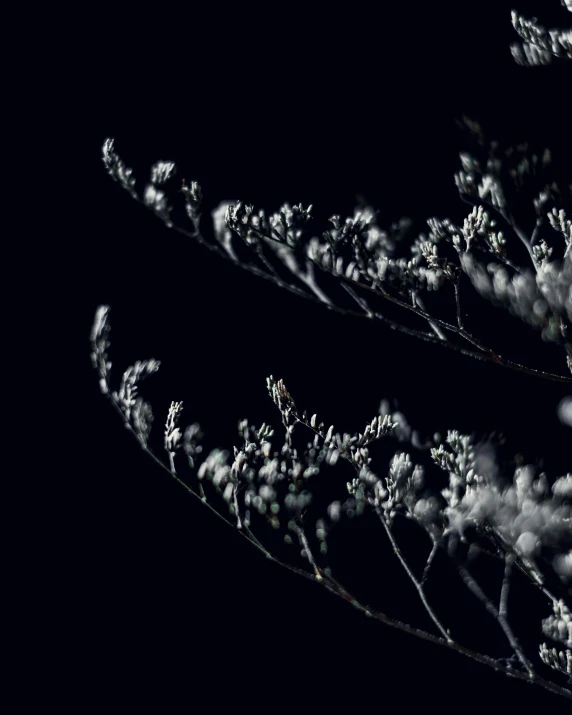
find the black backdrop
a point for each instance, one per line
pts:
(162, 605)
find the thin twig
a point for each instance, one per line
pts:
(503, 604)
(527, 243)
(474, 587)
(417, 300)
(416, 583)
(458, 302)
(429, 562)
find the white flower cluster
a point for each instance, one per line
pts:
(563, 225)
(558, 627)
(117, 169)
(161, 172)
(524, 514)
(215, 468)
(154, 196)
(557, 660)
(528, 295)
(540, 46)
(173, 434)
(554, 281)
(100, 342)
(133, 406)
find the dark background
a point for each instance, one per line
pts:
(162, 605)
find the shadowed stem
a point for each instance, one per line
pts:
(418, 585)
(503, 605)
(474, 587)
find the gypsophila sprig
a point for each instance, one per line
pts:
(526, 523)
(136, 410)
(173, 434)
(156, 200)
(555, 659)
(100, 343)
(540, 46)
(361, 256)
(455, 493)
(161, 172)
(117, 169)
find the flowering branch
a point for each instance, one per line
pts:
(259, 473)
(523, 520)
